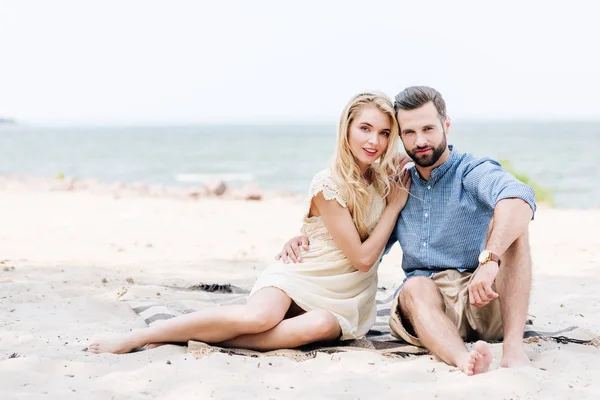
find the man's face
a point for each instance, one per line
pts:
(423, 135)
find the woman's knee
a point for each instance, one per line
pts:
(323, 326)
(257, 320)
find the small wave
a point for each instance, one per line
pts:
(227, 177)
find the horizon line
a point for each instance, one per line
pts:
(94, 124)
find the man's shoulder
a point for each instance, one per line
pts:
(467, 162)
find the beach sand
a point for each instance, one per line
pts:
(66, 256)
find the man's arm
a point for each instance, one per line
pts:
(513, 203)
(511, 220)
(489, 183)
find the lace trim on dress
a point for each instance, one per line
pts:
(323, 183)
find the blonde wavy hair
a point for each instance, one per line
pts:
(344, 166)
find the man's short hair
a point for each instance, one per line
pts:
(417, 96)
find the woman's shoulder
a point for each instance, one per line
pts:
(322, 178)
(323, 175)
(324, 182)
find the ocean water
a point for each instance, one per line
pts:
(561, 156)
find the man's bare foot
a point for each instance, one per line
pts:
(477, 360)
(467, 363)
(115, 343)
(514, 356)
(485, 351)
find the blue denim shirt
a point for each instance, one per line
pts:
(444, 223)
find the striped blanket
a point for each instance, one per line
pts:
(379, 338)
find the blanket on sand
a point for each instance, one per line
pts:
(379, 339)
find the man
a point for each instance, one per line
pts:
(464, 238)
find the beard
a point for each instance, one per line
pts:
(427, 160)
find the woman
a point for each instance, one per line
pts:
(353, 207)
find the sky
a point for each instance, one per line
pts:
(131, 62)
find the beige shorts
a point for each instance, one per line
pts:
(472, 323)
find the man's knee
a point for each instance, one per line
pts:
(419, 290)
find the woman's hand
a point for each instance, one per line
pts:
(400, 161)
(291, 250)
(399, 190)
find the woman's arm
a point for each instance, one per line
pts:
(338, 221)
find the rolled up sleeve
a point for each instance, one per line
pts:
(489, 183)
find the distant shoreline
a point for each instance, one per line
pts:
(8, 121)
(121, 189)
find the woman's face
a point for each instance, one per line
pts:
(368, 135)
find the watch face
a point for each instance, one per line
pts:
(484, 256)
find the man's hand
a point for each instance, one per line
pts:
(480, 289)
(291, 250)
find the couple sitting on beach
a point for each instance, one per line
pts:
(461, 221)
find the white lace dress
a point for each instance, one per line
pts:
(325, 279)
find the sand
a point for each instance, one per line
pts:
(66, 256)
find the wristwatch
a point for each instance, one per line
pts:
(486, 256)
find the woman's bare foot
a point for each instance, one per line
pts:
(514, 356)
(477, 360)
(115, 343)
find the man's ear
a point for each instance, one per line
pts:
(447, 124)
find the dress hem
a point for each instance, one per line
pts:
(343, 322)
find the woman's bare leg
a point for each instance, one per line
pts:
(265, 309)
(310, 327)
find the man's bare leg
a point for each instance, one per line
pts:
(513, 284)
(313, 326)
(264, 310)
(421, 302)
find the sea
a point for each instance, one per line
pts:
(559, 156)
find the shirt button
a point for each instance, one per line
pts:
(424, 244)
(428, 187)
(426, 215)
